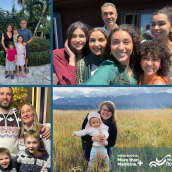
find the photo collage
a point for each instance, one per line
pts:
(86, 86)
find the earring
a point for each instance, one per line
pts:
(110, 53)
(133, 53)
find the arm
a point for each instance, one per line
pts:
(112, 137)
(105, 132)
(2, 42)
(66, 73)
(79, 133)
(46, 131)
(6, 56)
(158, 82)
(15, 58)
(17, 163)
(24, 52)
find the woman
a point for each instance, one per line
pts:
(161, 30)
(30, 121)
(107, 113)
(6, 38)
(123, 46)
(65, 66)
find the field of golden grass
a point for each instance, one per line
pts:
(136, 128)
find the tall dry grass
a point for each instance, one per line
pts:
(136, 128)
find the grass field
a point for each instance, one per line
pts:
(136, 128)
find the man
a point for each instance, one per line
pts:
(109, 16)
(27, 35)
(10, 122)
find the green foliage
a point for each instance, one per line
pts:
(39, 58)
(39, 45)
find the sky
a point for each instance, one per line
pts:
(7, 5)
(59, 92)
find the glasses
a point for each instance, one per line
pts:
(106, 110)
(23, 23)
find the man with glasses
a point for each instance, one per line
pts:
(27, 38)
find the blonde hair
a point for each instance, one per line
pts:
(5, 151)
(32, 133)
(36, 125)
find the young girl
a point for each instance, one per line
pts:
(95, 127)
(10, 60)
(6, 164)
(66, 66)
(21, 55)
(153, 64)
(161, 30)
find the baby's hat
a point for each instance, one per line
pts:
(92, 115)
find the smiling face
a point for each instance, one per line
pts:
(78, 39)
(9, 28)
(160, 27)
(27, 115)
(105, 113)
(23, 24)
(5, 97)
(95, 122)
(109, 16)
(121, 46)
(4, 161)
(32, 144)
(19, 39)
(150, 64)
(97, 42)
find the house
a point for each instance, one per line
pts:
(65, 12)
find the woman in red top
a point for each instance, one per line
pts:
(65, 67)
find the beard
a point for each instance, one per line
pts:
(5, 106)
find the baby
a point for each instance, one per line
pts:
(95, 127)
(15, 31)
(6, 163)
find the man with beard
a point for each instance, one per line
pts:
(109, 16)
(10, 122)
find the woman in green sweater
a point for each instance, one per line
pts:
(123, 46)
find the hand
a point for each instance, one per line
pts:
(68, 51)
(104, 142)
(46, 132)
(74, 134)
(6, 60)
(44, 169)
(96, 139)
(24, 57)
(14, 61)
(24, 43)
(6, 49)
(101, 136)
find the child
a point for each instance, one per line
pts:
(31, 160)
(95, 127)
(10, 60)
(153, 64)
(15, 31)
(6, 164)
(21, 55)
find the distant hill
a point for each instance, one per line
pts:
(132, 101)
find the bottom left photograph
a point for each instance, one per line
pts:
(25, 129)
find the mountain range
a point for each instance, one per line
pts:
(131, 101)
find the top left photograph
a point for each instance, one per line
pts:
(25, 33)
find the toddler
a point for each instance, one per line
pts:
(15, 31)
(153, 64)
(21, 55)
(6, 163)
(30, 159)
(10, 60)
(95, 127)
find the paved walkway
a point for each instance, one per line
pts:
(38, 75)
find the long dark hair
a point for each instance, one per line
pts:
(85, 28)
(7, 27)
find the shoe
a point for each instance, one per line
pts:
(23, 75)
(6, 76)
(12, 76)
(17, 74)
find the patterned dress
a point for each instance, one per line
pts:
(20, 54)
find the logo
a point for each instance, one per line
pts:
(161, 162)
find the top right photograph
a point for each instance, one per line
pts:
(112, 43)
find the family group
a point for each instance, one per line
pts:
(114, 55)
(98, 134)
(25, 143)
(16, 50)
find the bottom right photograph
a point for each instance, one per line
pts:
(112, 129)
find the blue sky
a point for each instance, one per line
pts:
(7, 5)
(105, 91)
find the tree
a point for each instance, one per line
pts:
(22, 2)
(45, 13)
